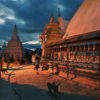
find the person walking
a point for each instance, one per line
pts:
(37, 64)
(34, 58)
(0, 66)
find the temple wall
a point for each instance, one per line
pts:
(82, 58)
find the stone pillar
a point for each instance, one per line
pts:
(60, 53)
(80, 48)
(68, 50)
(94, 46)
(86, 47)
(90, 47)
(99, 62)
(52, 53)
(43, 50)
(65, 53)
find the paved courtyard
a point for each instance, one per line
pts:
(23, 83)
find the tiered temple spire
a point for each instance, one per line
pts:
(52, 18)
(15, 36)
(14, 47)
(59, 15)
(15, 29)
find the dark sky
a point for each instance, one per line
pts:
(31, 16)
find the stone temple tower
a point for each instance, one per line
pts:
(14, 48)
(53, 31)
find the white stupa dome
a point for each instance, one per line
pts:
(86, 19)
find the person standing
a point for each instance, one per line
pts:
(34, 59)
(0, 66)
(37, 63)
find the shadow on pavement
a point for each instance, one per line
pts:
(16, 91)
(28, 92)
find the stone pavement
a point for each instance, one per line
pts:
(6, 91)
(24, 84)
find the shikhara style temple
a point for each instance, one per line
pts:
(76, 52)
(14, 48)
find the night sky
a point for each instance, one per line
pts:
(31, 16)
